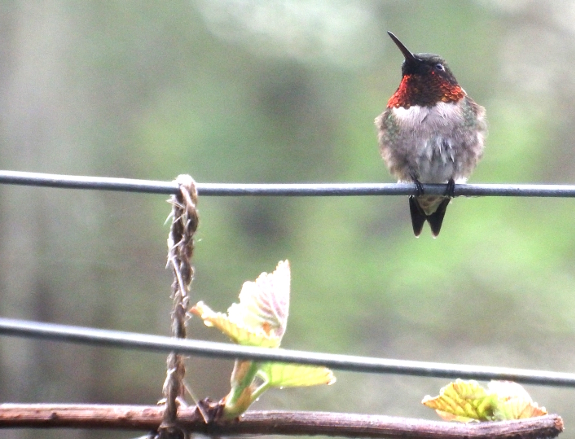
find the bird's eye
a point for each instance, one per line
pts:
(439, 67)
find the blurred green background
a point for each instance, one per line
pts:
(280, 91)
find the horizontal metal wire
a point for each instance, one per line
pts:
(104, 337)
(309, 189)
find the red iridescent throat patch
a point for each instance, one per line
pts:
(424, 91)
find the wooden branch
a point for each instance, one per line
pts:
(271, 422)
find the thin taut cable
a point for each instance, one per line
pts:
(130, 340)
(291, 189)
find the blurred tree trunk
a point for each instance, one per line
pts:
(34, 138)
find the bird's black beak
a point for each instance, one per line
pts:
(409, 58)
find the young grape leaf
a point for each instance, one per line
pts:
(466, 401)
(513, 401)
(265, 303)
(260, 319)
(294, 375)
(462, 401)
(238, 333)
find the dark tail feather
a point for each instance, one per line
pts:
(417, 216)
(436, 218)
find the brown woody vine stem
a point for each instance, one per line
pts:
(145, 418)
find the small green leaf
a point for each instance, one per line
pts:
(260, 319)
(264, 303)
(466, 401)
(462, 401)
(294, 375)
(513, 401)
(239, 334)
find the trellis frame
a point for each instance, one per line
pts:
(193, 420)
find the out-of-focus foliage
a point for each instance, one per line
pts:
(280, 91)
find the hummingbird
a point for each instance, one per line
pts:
(430, 132)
